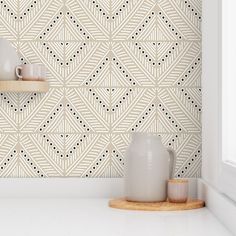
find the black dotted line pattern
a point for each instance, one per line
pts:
(169, 117)
(23, 61)
(12, 13)
(144, 116)
(32, 5)
(53, 54)
(196, 156)
(76, 115)
(170, 25)
(8, 159)
(5, 99)
(53, 22)
(102, 65)
(95, 73)
(118, 157)
(80, 28)
(125, 97)
(31, 163)
(139, 30)
(79, 142)
(28, 9)
(58, 152)
(100, 9)
(119, 11)
(99, 161)
(56, 111)
(31, 99)
(99, 100)
(116, 106)
(123, 71)
(172, 141)
(53, 115)
(189, 71)
(171, 51)
(55, 149)
(192, 101)
(150, 60)
(78, 51)
(193, 10)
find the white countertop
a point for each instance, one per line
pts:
(89, 217)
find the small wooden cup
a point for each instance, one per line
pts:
(178, 190)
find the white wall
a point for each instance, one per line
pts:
(210, 85)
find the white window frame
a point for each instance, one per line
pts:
(215, 172)
(227, 170)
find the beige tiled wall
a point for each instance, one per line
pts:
(115, 67)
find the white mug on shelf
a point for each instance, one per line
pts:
(31, 72)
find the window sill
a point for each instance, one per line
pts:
(219, 204)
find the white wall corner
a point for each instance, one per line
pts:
(219, 204)
(210, 91)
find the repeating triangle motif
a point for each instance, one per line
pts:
(115, 68)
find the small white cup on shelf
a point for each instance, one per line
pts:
(178, 190)
(31, 72)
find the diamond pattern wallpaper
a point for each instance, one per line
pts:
(115, 67)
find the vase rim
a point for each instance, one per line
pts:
(139, 135)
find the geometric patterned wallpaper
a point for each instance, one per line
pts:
(114, 67)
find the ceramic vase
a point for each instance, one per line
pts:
(148, 166)
(8, 60)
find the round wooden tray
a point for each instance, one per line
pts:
(155, 206)
(24, 86)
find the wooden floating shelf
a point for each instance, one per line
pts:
(155, 206)
(24, 86)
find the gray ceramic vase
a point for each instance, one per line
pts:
(148, 166)
(8, 60)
